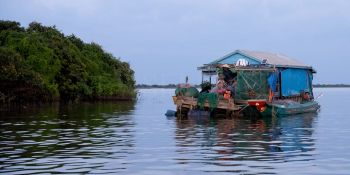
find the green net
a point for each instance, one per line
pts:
(252, 84)
(188, 92)
(212, 100)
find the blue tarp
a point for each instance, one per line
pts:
(272, 80)
(294, 81)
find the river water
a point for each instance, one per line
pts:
(137, 138)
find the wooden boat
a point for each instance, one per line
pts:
(269, 84)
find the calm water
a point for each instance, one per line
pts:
(136, 138)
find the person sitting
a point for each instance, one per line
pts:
(306, 96)
(219, 88)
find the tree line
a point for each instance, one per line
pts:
(40, 64)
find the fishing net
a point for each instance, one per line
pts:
(252, 84)
(212, 99)
(188, 92)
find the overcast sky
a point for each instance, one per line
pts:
(165, 40)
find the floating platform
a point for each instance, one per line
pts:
(185, 104)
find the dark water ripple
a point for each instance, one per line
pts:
(136, 138)
(66, 143)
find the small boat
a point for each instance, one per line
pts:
(266, 83)
(290, 109)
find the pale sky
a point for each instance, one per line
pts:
(165, 40)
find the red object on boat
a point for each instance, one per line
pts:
(259, 104)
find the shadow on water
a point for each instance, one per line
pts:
(66, 139)
(243, 145)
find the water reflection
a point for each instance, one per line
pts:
(243, 145)
(66, 139)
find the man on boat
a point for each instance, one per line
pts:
(231, 86)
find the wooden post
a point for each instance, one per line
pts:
(202, 77)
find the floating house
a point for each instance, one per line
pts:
(273, 84)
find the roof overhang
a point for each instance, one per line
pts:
(212, 65)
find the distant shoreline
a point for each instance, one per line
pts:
(172, 86)
(331, 85)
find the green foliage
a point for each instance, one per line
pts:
(60, 66)
(18, 82)
(11, 25)
(206, 85)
